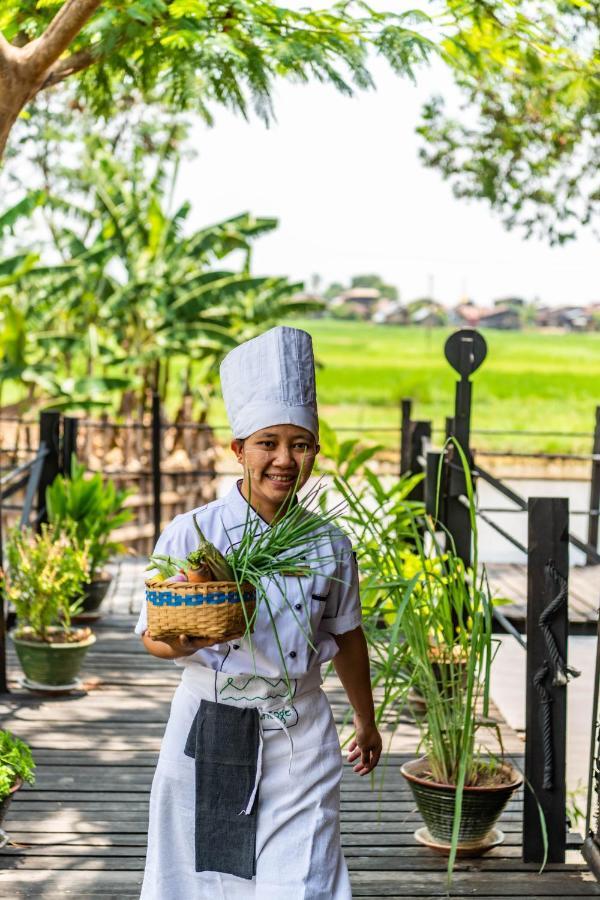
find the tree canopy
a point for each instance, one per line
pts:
(526, 139)
(192, 53)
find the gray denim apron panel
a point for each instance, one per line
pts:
(224, 741)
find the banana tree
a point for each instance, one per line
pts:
(134, 296)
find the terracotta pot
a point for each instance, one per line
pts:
(481, 806)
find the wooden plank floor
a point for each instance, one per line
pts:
(510, 580)
(81, 830)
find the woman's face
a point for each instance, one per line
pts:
(277, 461)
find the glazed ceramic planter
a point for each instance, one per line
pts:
(51, 665)
(481, 807)
(93, 595)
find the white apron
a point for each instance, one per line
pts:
(298, 849)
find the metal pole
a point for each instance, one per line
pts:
(594, 492)
(405, 430)
(156, 473)
(547, 675)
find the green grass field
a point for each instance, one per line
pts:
(530, 381)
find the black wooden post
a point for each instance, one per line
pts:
(405, 431)
(69, 444)
(547, 674)
(50, 437)
(465, 351)
(419, 432)
(594, 506)
(156, 473)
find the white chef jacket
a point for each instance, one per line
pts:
(323, 604)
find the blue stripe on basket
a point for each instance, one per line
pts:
(168, 598)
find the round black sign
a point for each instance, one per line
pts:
(465, 351)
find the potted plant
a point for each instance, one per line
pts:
(88, 509)
(46, 574)
(16, 767)
(433, 635)
(460, 791)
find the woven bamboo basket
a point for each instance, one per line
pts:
(208, 610)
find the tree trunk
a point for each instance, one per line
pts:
(14, 90)
(26, 70)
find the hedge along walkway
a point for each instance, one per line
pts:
(81, 830)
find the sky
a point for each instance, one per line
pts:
(343, 177)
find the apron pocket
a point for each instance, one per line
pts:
(224, 741)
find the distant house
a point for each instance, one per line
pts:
(390, 312)
(573, 318)
(509, 301)
(505, 317)
(431, 315)
(362, 301)
(466, 314)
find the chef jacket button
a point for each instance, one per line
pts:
(298, 606)
(293, 654)
(236, 646)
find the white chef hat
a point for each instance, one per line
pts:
(270, 380)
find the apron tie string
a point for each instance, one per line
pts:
(275, 718)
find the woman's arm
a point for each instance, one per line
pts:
(175, 647)
(352, 667)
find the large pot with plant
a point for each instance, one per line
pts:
(459, 790)
(89, 508)
(16, 767)
(436, 640)
(44, 582)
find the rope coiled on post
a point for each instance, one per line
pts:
(561, 672)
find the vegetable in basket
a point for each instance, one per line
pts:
(204, 564)
(261, 555)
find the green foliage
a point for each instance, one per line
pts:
(427, 618)
(16, 762)
(526, 137)
(370, 499)
(87, 509)
(193, 55)
(46, 574)
(132, 290)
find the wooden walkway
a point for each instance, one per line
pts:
(510, 580)
(81, 830)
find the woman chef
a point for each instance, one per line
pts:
(245, 798)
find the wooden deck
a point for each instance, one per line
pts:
(81, 830)
(510, 580)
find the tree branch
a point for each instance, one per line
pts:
(68, 66)
(65, 26)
